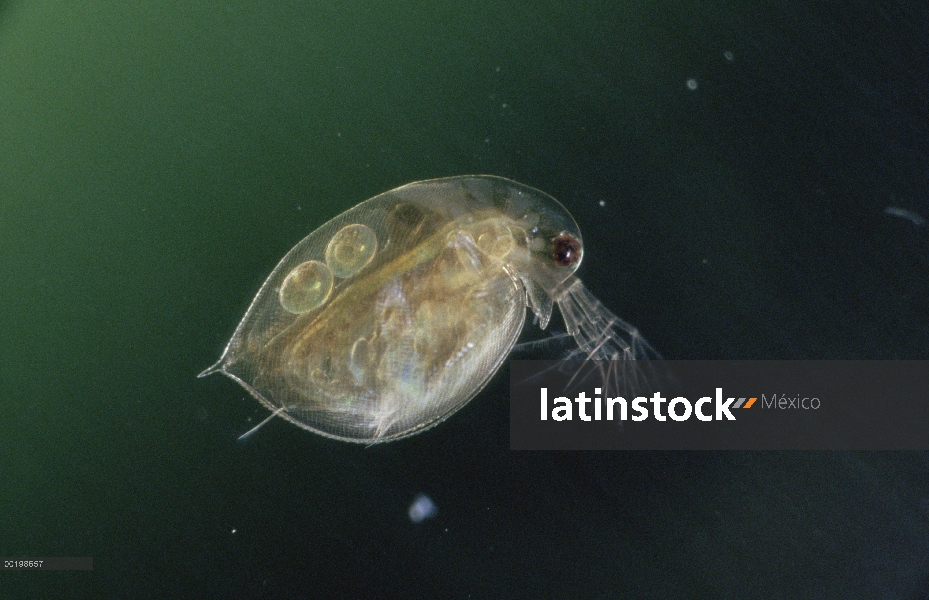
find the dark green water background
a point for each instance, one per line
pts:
(158, 158)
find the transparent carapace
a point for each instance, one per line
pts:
(393, 315)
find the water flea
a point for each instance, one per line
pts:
(393, 315)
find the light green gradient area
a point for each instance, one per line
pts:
(157, 158)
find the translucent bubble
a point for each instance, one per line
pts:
(422, 508)
(306, 287)
(350, 250)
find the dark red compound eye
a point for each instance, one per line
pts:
(566, 250)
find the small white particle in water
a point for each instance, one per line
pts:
(728, 56)
(691, 84)
(602, 203)
(505, 105)
(896, 211)
(234, 530)
(422, 508)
